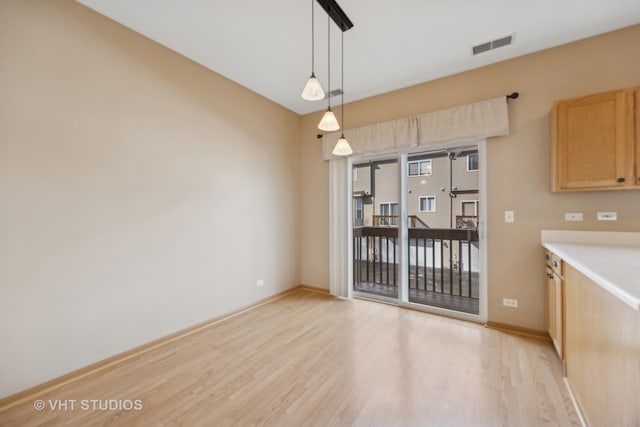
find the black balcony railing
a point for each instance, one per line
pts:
(443, 265)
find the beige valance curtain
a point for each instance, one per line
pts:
(475, 121)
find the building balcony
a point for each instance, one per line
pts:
(467, 222)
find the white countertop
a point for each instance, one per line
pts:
(612, 260)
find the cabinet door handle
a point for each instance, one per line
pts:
(549, 276)
(620, 179)
(555, 264)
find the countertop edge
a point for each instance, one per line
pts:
(622, 295)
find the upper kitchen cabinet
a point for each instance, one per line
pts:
(596, 142)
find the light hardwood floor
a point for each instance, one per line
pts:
(309, 359)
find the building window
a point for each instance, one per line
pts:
(359, 212)
(420, 168)
(472, 162)
(388, 214)
(389, 208)
(428, 204)
(469, 207)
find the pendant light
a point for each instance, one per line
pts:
(312, 90)
(342, 147)
(329, 122)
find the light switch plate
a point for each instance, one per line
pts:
(573, 216)
(509, 216)
(510, 302)
(607, 216)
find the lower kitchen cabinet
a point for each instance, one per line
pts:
(555, 301)
(602, 352)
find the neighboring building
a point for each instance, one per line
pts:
(442, 191)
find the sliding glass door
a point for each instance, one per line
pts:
(443, 258)
(440, 257)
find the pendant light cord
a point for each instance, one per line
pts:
(329, 57)
(313, 40)
(342, 84)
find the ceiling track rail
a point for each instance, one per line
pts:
(337, 14)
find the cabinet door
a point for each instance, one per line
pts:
(637, 136)
(558, 336)
(593, 142)
(602, 352)
(550, 296)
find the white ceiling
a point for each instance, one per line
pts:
(265, 45)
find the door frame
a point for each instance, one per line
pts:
(403, 238)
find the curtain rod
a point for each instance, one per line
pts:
(513, 95)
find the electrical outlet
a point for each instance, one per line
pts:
(607, 216)
(573, 216)
(260, 283)
(510, 302)
(509, 216)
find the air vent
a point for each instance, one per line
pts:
(481, 48)
(335, 92)
(485, 47)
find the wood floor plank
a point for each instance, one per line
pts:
(309, 359)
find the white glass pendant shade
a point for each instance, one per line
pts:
(313, 90)
(329, 123)
(342, 147)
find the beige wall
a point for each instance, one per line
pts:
(142, 194)
(518, 164)
(139, 193)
